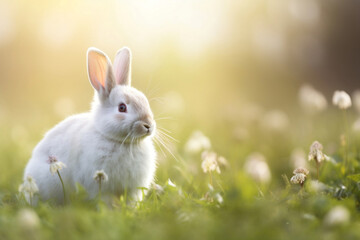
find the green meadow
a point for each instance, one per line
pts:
(255, 143)
(242, 200)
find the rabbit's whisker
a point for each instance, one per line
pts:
(158, 99)
(164, 118)
(161, 141)
(131, 146)
(153, 91)
(164, 129)
(167, 135)
(125, 138)
(160, 147)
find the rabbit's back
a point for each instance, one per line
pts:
(64, 136)
(61, 142)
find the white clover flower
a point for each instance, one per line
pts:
(337, 216)
(257, 168)
(28, 219)
(100, 176)
(300, 175)
(55, 165)
(301, 170)
(298, 178)
(275, 120)
(197, 142)
(341, 99)
(29, 187)
(209, 162)
(316, 153)
(311, 100)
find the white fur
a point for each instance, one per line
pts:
(96, 140)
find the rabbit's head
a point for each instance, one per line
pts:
(121, 112)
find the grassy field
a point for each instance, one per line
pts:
(227, 80)
(245, 200)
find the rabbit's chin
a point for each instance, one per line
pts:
(142, 136)
(134, 139)
(133, 136)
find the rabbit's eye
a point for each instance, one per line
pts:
(122, 107)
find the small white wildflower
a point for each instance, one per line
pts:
(298, 178)
(29, 189)
(316, 153)
(100, 176)
(311, 100)
(170, 183)
(28, 219)
(197, 142)
(337, 216)
(29, 186)
(257, 168)
(209, 162)
(55, 165)
(341, 99)
(301, 170)
(275, 120)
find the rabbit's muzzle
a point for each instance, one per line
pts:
(143, 128)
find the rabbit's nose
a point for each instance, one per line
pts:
(147, 126)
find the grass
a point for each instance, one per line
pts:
(191, 209)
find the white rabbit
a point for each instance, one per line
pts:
(115, 136)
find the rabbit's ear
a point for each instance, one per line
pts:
(122, 66)
(100, 70)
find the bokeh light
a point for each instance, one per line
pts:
(249, 82)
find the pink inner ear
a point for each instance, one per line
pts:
(97, 65)
(122, 66)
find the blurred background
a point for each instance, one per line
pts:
(211, 53)
(201, 63)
